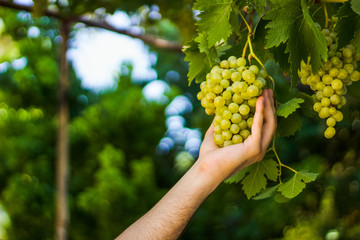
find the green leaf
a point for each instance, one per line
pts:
(282, 19)
(210, 52)
(355, 5)
(296, 184)
(260, 6)
(357, 41)
(237, 177)
(305, 40)
(289, 126)
(346, 25)
(285, 109)
(269, 192)
(214, 19)
(307, 106)
(196, 59)
(255, 181)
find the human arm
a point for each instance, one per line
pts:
(168, 218)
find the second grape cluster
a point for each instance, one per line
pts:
(329, 83)
(230, 92)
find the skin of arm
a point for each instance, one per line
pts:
(168, 218)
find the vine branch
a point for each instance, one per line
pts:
(146, 38)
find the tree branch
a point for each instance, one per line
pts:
(146, 38)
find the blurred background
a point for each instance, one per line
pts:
(135, 126)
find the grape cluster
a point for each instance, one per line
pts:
(329, 83)
(230, 92)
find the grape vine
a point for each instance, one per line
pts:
(317, 51)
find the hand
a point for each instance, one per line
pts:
(223, 162)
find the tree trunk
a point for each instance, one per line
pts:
(62, 161)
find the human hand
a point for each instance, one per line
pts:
(223, 162)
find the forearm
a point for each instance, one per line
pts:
(168, 218)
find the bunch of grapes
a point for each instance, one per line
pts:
(230, 92)
(329, 83)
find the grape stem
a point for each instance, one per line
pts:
(272, 148)
(252, 54)
(326, 15)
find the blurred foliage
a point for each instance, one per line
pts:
(116, 174)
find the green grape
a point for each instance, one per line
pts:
(254, 69)
(236, 76)
(226, 114)
(218, 139)
(338, 116)
(342, 74)
(330, 122)
(248, 76)
(236, 118)
(324, 112)
(355, 76)
(210, 97)
(219, 101)
(337, 84)
(329, 132)
(253, 91)
(226, 74)
(233, 107)
(217, 129)
(245, 133)
(347, 52)
(244, 109)
(225, 124)
(333, 72)
(328, 91)
(218, 88)
(335, 99)
(225, 83)
(252, 102)
(237, 98)
(349, 68)
(241, 62)
(234, 128)
(249, 122)
(332, 110)
(237, 139)
(226, 134)
(317, 106)
(225, 64)
(226, 94)
(243, 124)
(325, 101)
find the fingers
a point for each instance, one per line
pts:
(256, 129)
(208, 142)
(269, 119)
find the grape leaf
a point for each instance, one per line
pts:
(214, 19)
(307, 106)
(210, 52)
(267, 193)
(346, 25)
(260, 6)
(237, 177)
(296, 184)
(255, 181)
(289, 126)
(282, 19)
(305, 40)
(355, 5)
(357, 41)
(197, 65)
(285, 109)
